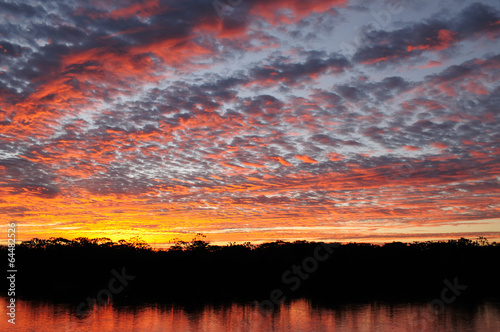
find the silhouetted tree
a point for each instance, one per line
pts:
(198, 243)
(482, 241)
(196, 269)
(34, 243)
(138, 243)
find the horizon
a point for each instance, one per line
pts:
(251, 120)
(378, 241)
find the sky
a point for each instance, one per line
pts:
(250, 120)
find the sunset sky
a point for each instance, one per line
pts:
(250, 120)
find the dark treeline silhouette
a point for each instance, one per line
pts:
(72, 270)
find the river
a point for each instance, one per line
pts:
(297, 315)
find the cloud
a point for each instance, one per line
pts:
(164, 114)
(438, 34)
(306, 159)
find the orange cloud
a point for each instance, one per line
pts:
(335, 156)
(144, 9)
(439, 145)
(283, 161)
(475, 87)
(305, 159)
(300, 9)
(445, 38)
(431, 64)
(373, 61)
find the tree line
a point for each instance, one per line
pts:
(195, 270)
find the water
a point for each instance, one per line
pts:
(298, 315)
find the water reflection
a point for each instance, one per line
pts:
(299, 315)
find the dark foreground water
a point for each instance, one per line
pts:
(298, 315)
